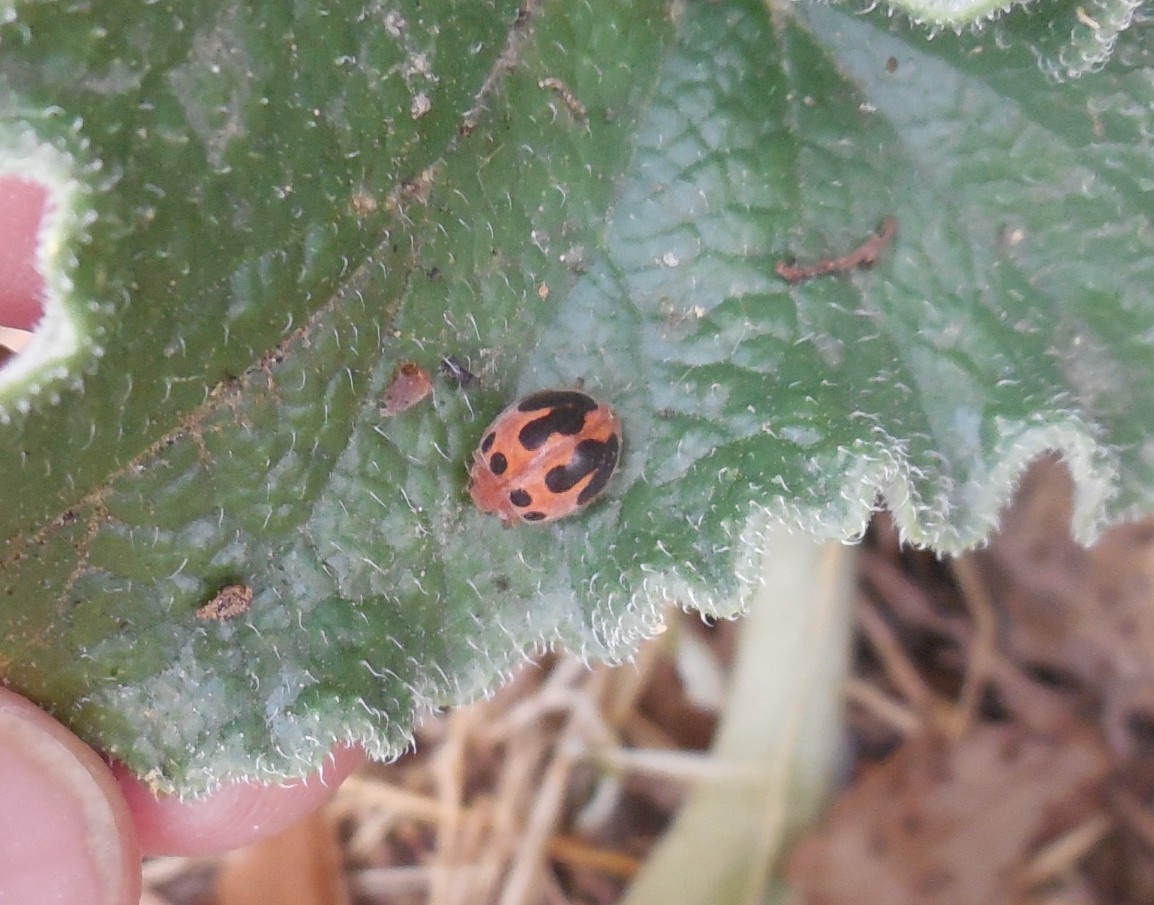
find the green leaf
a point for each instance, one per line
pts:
(267, 219)
(1070, 38)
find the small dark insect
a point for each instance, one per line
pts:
(409, 384)
(865, 255)
(452, 368)
(229, 602)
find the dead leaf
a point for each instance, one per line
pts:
(951, 825)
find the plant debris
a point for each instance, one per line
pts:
(558, 87)
(1001, 708)
(865, 255)
(229, 602)
(409, 384)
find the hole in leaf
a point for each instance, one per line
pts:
(22, 207)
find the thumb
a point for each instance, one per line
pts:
(65, 833)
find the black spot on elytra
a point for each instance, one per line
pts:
(564, 413)
(521, 498)
(487, 443)
(533, 516)
(590, 457)
(498, 463)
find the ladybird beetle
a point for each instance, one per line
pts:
(544, 457)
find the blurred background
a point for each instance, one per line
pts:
(998, 747)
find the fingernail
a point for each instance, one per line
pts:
(65, 834)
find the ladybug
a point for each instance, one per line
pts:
(546, 456)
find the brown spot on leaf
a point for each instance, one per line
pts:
(410, 384)
(229, 602)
